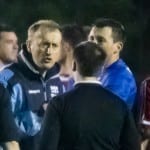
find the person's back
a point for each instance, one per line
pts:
(93, 118)
(88, 117)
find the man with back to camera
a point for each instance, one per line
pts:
(34, 80)
(115, 74)
(88, 117)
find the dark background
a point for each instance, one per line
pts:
(134, 14)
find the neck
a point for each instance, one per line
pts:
(2, 65)
(65, 70)
(79, 78)
(66, 67)
(110, 60)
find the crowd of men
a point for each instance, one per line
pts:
(67, 88)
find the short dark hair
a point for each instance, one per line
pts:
(89, 57)
(6, 28)
(118, 30)
(73, 34)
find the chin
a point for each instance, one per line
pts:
(48, 66)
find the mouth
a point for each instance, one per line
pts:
(47, 60)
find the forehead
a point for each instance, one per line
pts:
(48, 35)
(8, 35)
(101, 31)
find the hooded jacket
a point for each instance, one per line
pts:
(29, 90)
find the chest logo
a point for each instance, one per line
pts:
(34, 91)
(54, 90)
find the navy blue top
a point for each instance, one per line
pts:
(29, 91)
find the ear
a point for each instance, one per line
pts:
(28, 43)
(65, 46)
(118, 47)
(74, 66)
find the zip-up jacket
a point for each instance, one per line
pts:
(29, 91)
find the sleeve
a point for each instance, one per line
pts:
(8, 129)
(50, 133)
(130, 138)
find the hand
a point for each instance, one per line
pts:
(45, 106)
(145, 131)
(12, 145)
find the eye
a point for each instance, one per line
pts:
(100, 39)
(54, 45)
(10, 41)
(45, 45)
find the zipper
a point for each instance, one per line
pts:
(44, 88)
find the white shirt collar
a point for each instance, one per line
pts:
(87, 82)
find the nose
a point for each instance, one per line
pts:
(16, 47)
(49, 50)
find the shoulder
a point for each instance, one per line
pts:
(6, 75)
(120, 72)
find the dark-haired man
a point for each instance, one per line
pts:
(89, 116)
(115, 75)
(8, 45)
(8, 55)
(72, 35)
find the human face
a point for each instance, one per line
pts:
(103, 37)
(8, 47)
(45, 48)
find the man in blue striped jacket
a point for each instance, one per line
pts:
(34, 80)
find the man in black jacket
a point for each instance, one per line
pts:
(88, 117)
